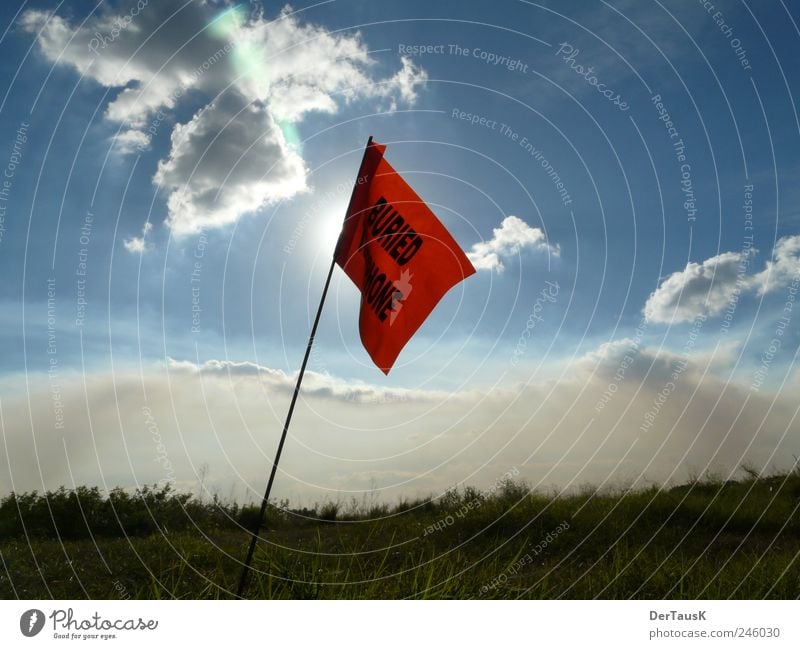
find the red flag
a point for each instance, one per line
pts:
(398, 254)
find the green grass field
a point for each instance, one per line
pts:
(708, 539)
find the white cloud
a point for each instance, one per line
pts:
(315, 384)
(138, 244)
(704, 288)
(134, 244)
(232, 157)
(709, 287)
(509, 239)
(169, 420)
(131, 141)
(783, 268)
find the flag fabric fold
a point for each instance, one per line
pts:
(398, 254)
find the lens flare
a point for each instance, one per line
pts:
(227, 23)
(291, 135)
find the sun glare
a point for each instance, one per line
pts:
(328, 227)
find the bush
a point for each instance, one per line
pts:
(84, 512)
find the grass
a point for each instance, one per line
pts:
(707, 539)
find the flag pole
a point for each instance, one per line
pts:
(265, 500)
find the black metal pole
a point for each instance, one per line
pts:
(265, 501)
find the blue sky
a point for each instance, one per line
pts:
(214, 145)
